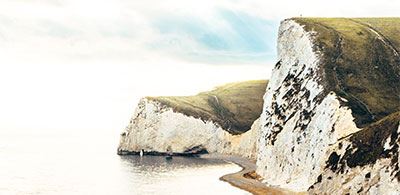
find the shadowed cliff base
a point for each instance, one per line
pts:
(234, 106)
(192, 152)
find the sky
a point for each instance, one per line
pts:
(82, 65)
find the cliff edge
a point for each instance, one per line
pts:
(223, 120)
(336, 80)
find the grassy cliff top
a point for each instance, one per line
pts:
(234, 106)
(360, 62)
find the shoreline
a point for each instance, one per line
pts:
(239, 179)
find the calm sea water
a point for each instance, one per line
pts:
(88, 164)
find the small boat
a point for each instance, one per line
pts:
(169, 155)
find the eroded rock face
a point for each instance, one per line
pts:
(157, 128)
(299, 120)
(365, 162)
(304, 117)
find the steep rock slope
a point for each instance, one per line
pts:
(334, 78)
(365, 162)
(223, 120)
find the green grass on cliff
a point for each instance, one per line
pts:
(234, 106)
(370, 141)
(368, 145)
(361, 62)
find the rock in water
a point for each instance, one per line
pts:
(324, 125)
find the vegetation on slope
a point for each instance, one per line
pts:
(368, 145)
(361, 62)
(233, 106)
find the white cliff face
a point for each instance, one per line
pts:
(380, 177)
(300, 120)
(156, 128)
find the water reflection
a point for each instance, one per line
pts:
(84, 164)
(160, 164)
(181, 175)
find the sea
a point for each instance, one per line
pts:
(87, 163)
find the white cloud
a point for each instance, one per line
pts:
(82, 64)
(69, 29)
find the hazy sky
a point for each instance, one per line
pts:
(83, 64)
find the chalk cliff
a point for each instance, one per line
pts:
(327, 123)
(223, 121)
(334, 80)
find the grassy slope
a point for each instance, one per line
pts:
(359, 64)
(389, 27)
(368, 145)
(233, 106)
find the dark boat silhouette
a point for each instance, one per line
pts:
(169, 154)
